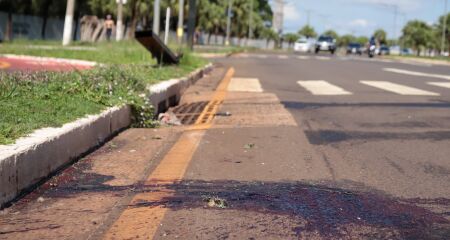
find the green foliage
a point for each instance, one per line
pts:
(381, 35)
(362, 40)
(29, 101)
(346, 39)
(308, 32)
(418, 35)
(113, 52)
(439, 27)
(291, 37)
(332, 34)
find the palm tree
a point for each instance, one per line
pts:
(418, 35)
(308, 32)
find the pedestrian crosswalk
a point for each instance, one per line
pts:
(419, 74)
(398, 88)
(440, 84)
(320, 87)
(327, 88)
(245, 85)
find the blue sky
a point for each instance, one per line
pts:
(359, 17)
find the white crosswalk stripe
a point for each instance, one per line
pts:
(320, 87)
(440, 84)
(323, 58)
(420, 74)
(303, 57)
(398, 88)
(245, 85)
(283, 56)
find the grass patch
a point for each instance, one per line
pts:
(29, 101)
(124, 52)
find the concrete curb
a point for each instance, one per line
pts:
(32, 159)
(168, 93)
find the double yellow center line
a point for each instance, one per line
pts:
(145, 212)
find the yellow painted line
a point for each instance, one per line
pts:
(4, 65)
(145, 212)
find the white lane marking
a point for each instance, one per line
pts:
(385, 60)
(303, 57)
(243, 55)
(398, 88)
(421, 74)
(245, 85)
(283, 57)
(440, 84)
(320, 87)
(262, 56)
(323, 58)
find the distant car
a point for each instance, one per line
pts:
(304, 45)
(407, 51)
(395, 50)
(354, 48)
(326, 43)
(384, 50)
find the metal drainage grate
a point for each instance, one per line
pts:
(190, 112)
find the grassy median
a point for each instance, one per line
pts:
(29, 101)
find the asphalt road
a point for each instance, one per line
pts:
(302, 147)
(357, 161)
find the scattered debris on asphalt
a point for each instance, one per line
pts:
(40, 199)
(157, 137)
(223, 114)
(249, 146)
(216, 202)
(169, 119)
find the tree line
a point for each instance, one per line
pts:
(249, 17)
(416, 34)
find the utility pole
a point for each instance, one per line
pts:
(191, 22)
(250, 19)
(180, 30)
(227, 41)
(308, 17)
(444, 28)
(395, 23)
(156, 18)
(119, 29)
(68, 22)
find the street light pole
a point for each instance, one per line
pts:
(156, 12)
(395, 22)
(444, 28)
(227, 41)
(68, 22)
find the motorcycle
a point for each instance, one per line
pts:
(372, 49)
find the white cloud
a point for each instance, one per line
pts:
(291, 13)
(359, 23)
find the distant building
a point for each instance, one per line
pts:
(278, 16)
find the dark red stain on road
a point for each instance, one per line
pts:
(12, 64)
(327, 210)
